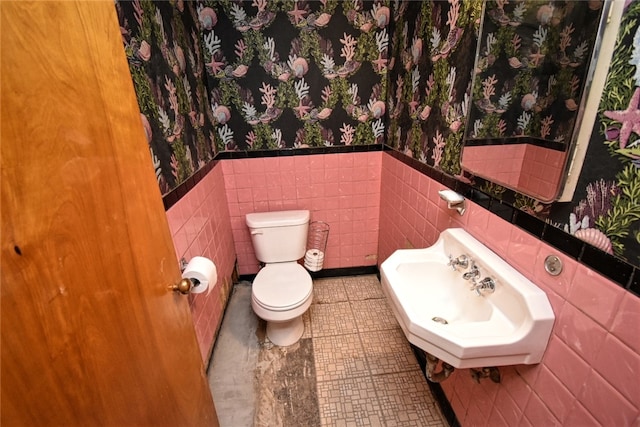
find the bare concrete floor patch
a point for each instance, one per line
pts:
(285, 386)
(234, 359)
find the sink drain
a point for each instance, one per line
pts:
(439, 320)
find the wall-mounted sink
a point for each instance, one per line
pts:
(458, 320)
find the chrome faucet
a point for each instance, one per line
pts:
(485, 285)
(462, 261)
(472, 274)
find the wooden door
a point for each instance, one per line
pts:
(91, 335)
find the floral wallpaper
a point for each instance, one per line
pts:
(228, 75)
(430, 80)
(296, 73)
(162, 45)
(531, 68)
(606, 211)
(223, 75)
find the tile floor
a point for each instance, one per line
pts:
(365, 371)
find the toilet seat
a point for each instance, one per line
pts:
(282, 286)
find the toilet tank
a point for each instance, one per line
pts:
(279, 236)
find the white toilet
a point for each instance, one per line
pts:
(282, 289)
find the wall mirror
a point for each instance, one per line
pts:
(533, 71)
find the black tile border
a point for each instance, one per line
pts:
(172, 197)
(615, 269)
(330, 272)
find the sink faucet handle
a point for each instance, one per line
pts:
(485, 285)
(472, 274)
(462, 261)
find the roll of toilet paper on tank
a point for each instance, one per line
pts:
(202, 272)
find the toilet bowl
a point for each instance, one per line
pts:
(283, 289)
(281, 293)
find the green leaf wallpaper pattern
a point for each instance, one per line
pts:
(162, 45)
(606, 207)
(224, 75)
(433, 53)
(296, 74)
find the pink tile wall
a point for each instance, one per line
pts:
(340, 189)
(502, 162)
(589, 374)
(200, 226)
(541, 171)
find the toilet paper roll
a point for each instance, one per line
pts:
(313, 260)
(314, 254)
(202, 272)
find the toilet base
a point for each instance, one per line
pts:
(286, 333)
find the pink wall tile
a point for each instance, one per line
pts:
(499, 233)
(538, 414)
(580, 332)
(628, 314)
(596, 297)
(622, 372)
(507, 408)
(606, 404)
(553, 393)
(584, 374)
(200, 225)
(579, 417)
(522, 251)
(336, 188)
(516, 387)
(566, 364)
(560, 284)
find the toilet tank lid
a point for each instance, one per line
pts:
(277, 218)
